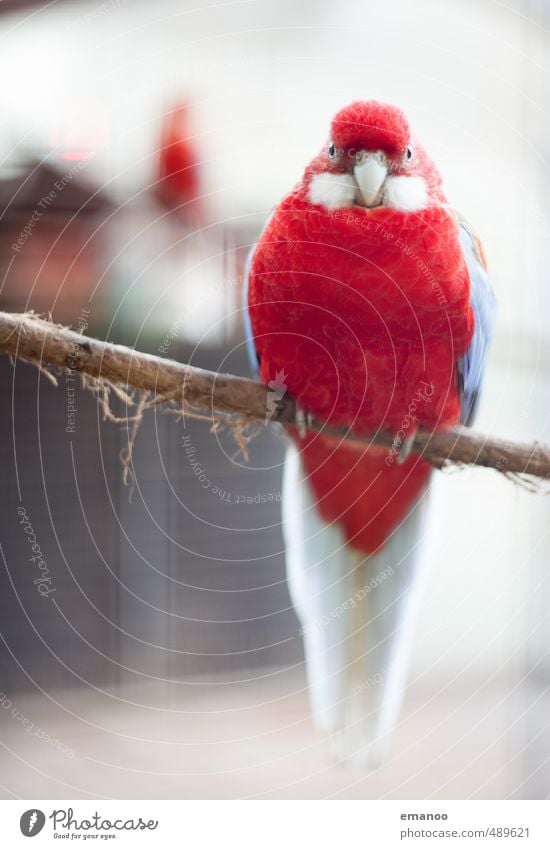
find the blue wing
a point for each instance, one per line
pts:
(252, 354)
(253, 358)
(471, 366)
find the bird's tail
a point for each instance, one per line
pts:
(356, 613)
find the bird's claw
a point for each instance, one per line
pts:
(302, 421)
(406, 447)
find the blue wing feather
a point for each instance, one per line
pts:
(471, 366)
(253, 359)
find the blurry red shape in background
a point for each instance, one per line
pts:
(179, 178)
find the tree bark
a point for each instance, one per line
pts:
(47, 345)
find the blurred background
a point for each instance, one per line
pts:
(142, 146)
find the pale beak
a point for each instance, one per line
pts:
(370, 174)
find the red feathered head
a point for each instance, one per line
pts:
(371, 125)
(373, 160)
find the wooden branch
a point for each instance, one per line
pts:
(29, 337)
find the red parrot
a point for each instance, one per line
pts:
(370, 294)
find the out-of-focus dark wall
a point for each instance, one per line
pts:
(180, 574)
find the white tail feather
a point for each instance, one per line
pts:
(357, 613)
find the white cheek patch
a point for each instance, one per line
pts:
(408, 194)
(332, 190)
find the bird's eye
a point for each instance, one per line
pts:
(332, 150)
(409, 154)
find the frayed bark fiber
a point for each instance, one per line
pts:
(143, 381)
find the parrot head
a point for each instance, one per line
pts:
(372, 160)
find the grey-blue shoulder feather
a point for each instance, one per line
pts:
(471, 366)
(253, 358)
